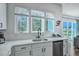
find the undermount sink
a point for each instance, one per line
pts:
(36, 40)
(40, 40)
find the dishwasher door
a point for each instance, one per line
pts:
(58, 48)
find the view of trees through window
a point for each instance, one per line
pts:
(38, 19)
(69, 29)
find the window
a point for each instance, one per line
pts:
(74, 29)
(21, 20)
(49, 22)
(19, 10)
(39, 20)
(49, 15)
(37, 23)
(65, 29)
(49, 25)
(69, 29)
(37, 13)
(21, 23)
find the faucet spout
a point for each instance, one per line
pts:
(39, 34)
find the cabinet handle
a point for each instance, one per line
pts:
(42, 49)
(23, 48)
(30, 53)
(0, 25)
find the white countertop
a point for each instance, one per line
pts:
(5, 49)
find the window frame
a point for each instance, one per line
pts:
(49, 15)
(52, 25)
(72, 21)
(19, 14)
(43, 19)
(43, 15)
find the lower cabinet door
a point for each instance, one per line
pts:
(37, 50)
(65, 47)
(47, 49)
(42, 49)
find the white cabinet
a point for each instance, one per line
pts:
(37, 49)
(2, 16)
(48, 49)
(22, 53)
(42, 49)
(65, 47)
(71, 47)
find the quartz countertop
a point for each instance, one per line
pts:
(5, 49)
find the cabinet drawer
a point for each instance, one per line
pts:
(37, 45)
(22, 53)
(22, 47)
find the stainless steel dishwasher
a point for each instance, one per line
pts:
(58, 48)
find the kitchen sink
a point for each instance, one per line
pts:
(40, 40)
(36, 40)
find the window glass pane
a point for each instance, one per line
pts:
(65, 28)
(36, 23)
(49, 15)
(69, 29)
(21, 23)
(49, 25)
(37, 13)
(20, 10)
(74, 29)
(77, 25)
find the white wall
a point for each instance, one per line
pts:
(10, 34)
(71, 9)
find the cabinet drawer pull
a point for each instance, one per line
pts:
(23, 48)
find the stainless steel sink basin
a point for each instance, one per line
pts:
(45, 39)
(40, 40)
(36, 40)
